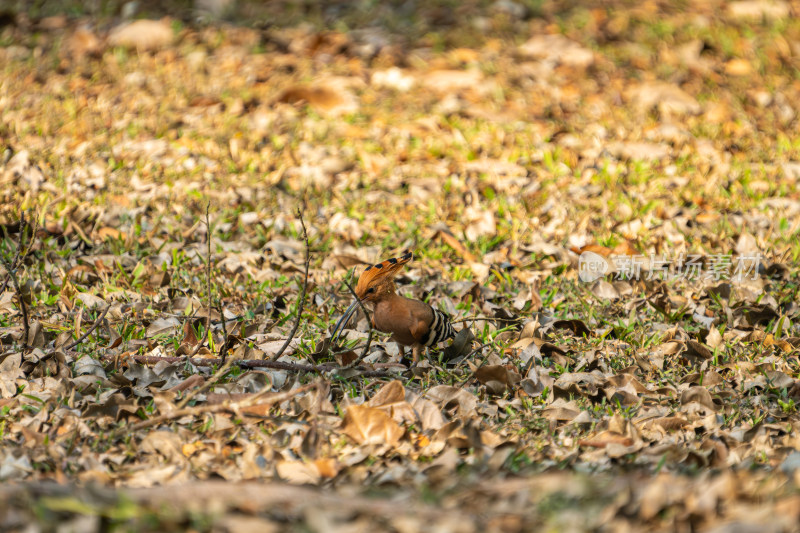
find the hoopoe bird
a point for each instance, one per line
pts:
(411, 322)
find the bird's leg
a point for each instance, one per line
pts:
(415, 353)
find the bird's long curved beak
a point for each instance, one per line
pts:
(342, 322)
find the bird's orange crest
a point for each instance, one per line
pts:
(384, 271)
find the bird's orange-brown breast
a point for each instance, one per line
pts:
(408, 320)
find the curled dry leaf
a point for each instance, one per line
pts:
(83, 42)
(759, 9)
(480, 223)
(298, 472)
(163, 326)
(445, 81)
(667, 98)
(713, 338)
(453, 397)
(557, 49)
(371, 426)
(697, 350)
(462, 344)
(496, 378)
(604, 438)
(345, 227)
(604, 290)
(671, 423)
(142, 34)
(560, 414)
(393, 78)
(698, 394)
(639, 151)
(577, 327)
(392, 399)
(324, 97)
(390, 394)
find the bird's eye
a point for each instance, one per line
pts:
(370, 290)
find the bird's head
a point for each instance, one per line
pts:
(374, 283)
(378, 280)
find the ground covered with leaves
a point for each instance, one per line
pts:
(182, 198)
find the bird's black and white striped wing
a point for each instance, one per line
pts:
(440, 329)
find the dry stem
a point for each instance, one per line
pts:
(302, 297)
(207, 385)
(11, 267)
(369, 337)
(88, 331)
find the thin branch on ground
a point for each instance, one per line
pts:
(88, 331)
(279, 365)
(246, 363)
(208, 285)
(217, 408)
(365, 350)
(262, 363)
(375, 374)
(206, 386)
(486, 318)
(302, 297)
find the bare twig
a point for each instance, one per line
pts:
(264, 363)
(302, 297)
(5, 282)
(208, 271)
(279, 365)
(11, 267)
(223, 351)
(208, 284)
(207, 385)
(369, 337)
(216, 408)
(22, 305)
(483, 362)
(311, 442)
(16, 259)
(246, 363)
(32, 240)
(374, 374)
(88, 331)
(486, 318)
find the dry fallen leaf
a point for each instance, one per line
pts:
(371, 426)
(324, 98)
(142, 34)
